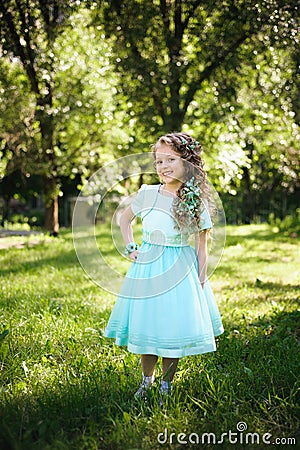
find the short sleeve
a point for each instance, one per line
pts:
(205, 222)
(138, 201)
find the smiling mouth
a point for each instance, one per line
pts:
(167, 174)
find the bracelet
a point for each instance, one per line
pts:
(131, 247)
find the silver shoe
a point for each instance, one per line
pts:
(142, 391)
(164, 392)
(146, 384)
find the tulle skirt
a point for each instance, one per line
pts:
(162, 309)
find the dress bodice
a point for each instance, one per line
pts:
(155, 210)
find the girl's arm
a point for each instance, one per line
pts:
(201, 250)
(126, 229)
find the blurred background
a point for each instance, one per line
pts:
(85, 82)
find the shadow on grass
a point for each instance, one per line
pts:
(64, 259)
(78, 409)
(64, 255)
(267, 286)
(260, 235)
(252, 377)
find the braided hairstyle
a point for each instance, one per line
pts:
(190, 151)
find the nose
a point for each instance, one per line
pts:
(164, 164)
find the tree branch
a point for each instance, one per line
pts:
(178, 21)
(142, 63)
(26, 57)
(155, 92)
(165, 14)
(45, 13)
(209, 69)
(191, 13)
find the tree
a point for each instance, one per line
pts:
(29, 30)
(192, 65)
(61, 123)
(164, 51)
(16, 112)
(255, 132)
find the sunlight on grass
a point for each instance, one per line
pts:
(63, 385)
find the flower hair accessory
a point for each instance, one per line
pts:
(190, 146)
(189, 205)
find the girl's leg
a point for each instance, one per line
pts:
(169, 366)
(148, 364)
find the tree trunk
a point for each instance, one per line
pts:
(50, 182)
(51, 206)
(249, 200)
(6, 211)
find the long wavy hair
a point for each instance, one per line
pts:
(190, 151)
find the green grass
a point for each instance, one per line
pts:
(64, 386)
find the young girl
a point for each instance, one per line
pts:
(166, 307)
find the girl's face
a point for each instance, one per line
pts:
(169, 165)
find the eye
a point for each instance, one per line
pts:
(170, 160)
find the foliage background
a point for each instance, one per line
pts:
(86, 82)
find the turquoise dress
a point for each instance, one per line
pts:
(161, 308)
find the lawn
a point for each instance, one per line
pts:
(65, 387)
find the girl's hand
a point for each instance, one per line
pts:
(133, 255)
